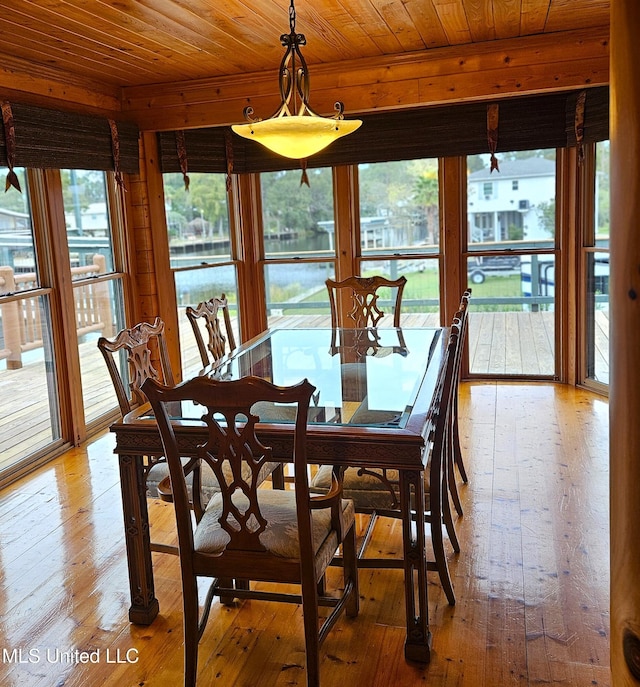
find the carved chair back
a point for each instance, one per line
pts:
(221, 339)
(133, 356)
(359, 298)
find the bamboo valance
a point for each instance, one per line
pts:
(52, 139)
(525, 123)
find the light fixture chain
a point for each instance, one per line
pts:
(292, 17)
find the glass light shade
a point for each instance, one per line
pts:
(297, 136)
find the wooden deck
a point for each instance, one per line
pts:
(531, 580)
(499, 344)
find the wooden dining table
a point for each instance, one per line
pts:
(371, 408)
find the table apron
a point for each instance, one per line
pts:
(320, 449)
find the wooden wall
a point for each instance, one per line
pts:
(624, 392)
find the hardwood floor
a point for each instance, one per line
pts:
(531, 580)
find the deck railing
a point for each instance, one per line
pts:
(22, 317)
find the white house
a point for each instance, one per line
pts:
(92, 220)
(14, 222)
(507, 204)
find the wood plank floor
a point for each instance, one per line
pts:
(531, 580)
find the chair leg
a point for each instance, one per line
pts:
(226, 599)
(450, 463)
(453, 486)
(457, 451)
(277, 477)
(350, 572)
(191, 610)
(311, 638)
(447, 518)
(437, 542)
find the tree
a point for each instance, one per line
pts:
(288, 204)
(206, 199)
(406, 193)
(12, 199)
(547, 215)
(427, 193)
(81, 188)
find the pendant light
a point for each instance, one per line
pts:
(295, 130)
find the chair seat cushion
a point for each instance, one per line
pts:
(367, 491)
(280, 537)
(210, 484)
(159, 471)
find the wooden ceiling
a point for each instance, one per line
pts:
(67, 49)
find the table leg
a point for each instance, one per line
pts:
(418, 643)
(144, 605)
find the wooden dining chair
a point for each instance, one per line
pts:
(221, 339)
(464, 324)
(359, 297)
(376, 491)
(455, 459)
(134, 355)
(249, 534)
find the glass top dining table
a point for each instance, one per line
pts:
(363, 377)
(371, 408)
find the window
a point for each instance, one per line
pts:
(97, 288)
(596, 254)
(27, 359)
(37, 287)
(514, 185)
(201, 251)
(400, 230)
(299, 246)
(511, 266)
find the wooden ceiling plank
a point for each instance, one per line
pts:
(105, 25)
(507, 15)
(200, 32)
(481, 20)
(79, 31)
(427, 23)
(366, 17)
(46, 53)
(534, 16)
(454, 21)
(397, 18)
(238, 25)
(588, 13)
(342, 34)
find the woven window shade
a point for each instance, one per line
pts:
(50, 139)
(525, 123)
